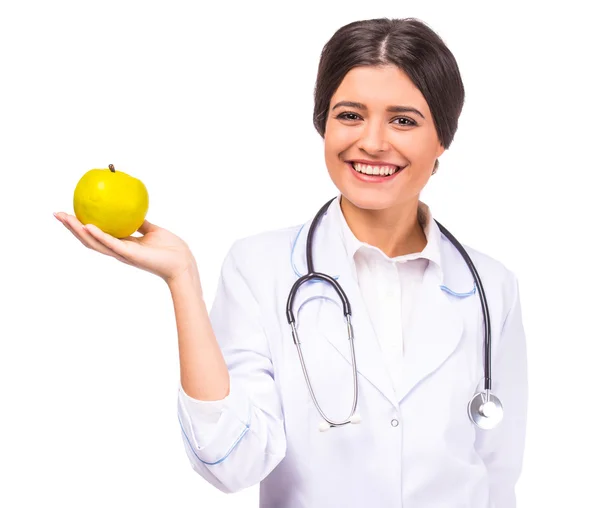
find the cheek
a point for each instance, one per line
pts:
(337, 142)
(409, 144)
(421, 166)
(332, 147)
(419, 146)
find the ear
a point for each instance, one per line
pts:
(440, 151)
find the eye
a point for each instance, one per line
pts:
(403, 120)
(408, 120)
(348, 116)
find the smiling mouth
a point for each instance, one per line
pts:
(378, 170)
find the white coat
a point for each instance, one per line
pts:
(417, 449)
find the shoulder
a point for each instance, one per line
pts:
(498, 279)
(491, 266)
(500, 282)
(268, 247)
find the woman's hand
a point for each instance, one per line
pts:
(159, 251)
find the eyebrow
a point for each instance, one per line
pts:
(390, 109)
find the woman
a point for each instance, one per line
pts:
(387, 101)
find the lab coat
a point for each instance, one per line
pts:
(413, 449)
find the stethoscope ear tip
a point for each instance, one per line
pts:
(355, 418)
(324, 427)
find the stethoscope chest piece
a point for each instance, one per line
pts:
(485, 410)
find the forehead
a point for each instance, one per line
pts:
(379, 87)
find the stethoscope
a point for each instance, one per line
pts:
(484, 409)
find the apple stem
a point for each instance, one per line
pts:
(111, 167)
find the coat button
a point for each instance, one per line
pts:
(394, 422)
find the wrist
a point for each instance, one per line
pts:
(186, 274)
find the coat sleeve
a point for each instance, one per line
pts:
(502, 448)
(203, 416)
(244, 438)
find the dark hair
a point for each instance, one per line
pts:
(410, 45)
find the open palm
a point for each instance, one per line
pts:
(158, 251)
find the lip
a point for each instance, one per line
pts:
(373, 163)
(373, 178)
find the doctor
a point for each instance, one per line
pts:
(387, 101)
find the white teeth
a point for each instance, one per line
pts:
(374, 170)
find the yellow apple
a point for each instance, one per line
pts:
(113, 201)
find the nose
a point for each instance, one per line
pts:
(373, 138)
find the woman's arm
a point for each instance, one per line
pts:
(203, 371)
(229, 409)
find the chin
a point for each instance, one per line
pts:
(370, 199)
(373, 196)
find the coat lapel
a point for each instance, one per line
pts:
(437, 325)
(330, 258)
(369, 356)
(434, 333)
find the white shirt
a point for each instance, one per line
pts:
(387, 286)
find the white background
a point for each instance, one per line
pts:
(211, 106)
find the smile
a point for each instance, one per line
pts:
(373, 173)
(378, 170)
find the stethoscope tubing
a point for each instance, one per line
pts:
(476, 405)
(484, 306)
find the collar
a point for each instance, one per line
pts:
(431, 252)
(446, 263)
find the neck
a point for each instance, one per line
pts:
(396, 231)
